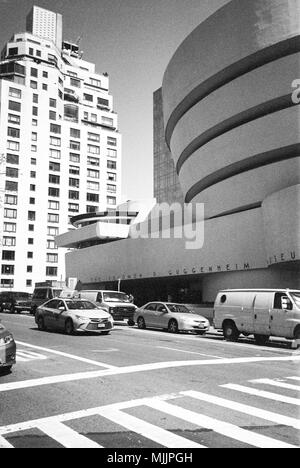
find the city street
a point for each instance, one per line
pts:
(147, 389)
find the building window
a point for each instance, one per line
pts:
(92, 197)
(53, 205)
(32, 187)
(88, 97)
(32, 201)
(107, 121)
(75, 82)
(74, 133)
(30, 227)
(73, 195)
(14, 119)
(34, 72)
(55, 141)
(11, 186)
(53, 218)
(53, 166)
(9, 241)
(52, 258)
(111, 165)
(71, 112)
(74, 157)
(35, 111)
(111, 200)
(33, 148)
(75, 145)
(38, 53)
(94, 137)
(15, 93)
(9, 227)
(44, 87)
(52, 115)
(7, 270)
(111, 176)
(55, 128)
(93, 161)
(34, 122)
(28, 283)
(53, 192)
(51, 271)
(74, 182)
(93, 186)
(33, 84)
(14, 106)
(11, 199)
(91, 209)
(51, 245)
(74, 170)
(45, 74)
(12, 172)
(33, 174)
(103, 102)
(95, 82)
(13, 145)
(30, 241)
(7, 283)
(54, 179)
(35, 98)
(30, 51)
(74, 207)
(111, 188)
(10, 213)
(33, 161)
(52, 102)
(111, 141)
(55, 154)
(8, 255)
(31, 215)
(93, 149)
(52, 231)
(93, 174)
(29, 254)
(33, 136)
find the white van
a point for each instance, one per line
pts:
(117, 303)
(259, 312)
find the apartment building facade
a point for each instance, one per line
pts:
(60, 152)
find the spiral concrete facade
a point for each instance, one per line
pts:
(230, 121)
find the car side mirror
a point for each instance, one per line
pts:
(62, 309)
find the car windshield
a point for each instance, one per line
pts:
(115, 297)
(296, 297)
(86, 305)
(179, 309)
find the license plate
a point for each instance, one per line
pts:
(101, 325)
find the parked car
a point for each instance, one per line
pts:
(73, 315)
(43, 292)
(117, 303)
(172, 317)
(259, 312)
(15, 301)
(7, 350)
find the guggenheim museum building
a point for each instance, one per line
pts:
(231, 118)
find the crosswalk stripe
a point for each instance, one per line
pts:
(293, 378)
(276, 383)
(241, 408)
(4, 443)
(150, 431)
(263, 394)
(221, 427)
(29, 356)
(65, 436)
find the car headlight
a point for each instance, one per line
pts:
(6, 340)
(82, 319)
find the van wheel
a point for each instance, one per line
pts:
(297, 334)
(41, 324)
(131, 322)
(69, 327)
(261, 340)
(230, 332)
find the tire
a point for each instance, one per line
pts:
(12, 309)
(230, 332)
(5, 370)
(141, 323)
(297, 334)
(69, 327)
(173, 326)
(33, 310)
(131, 322)
(41, 324)
(261, 340)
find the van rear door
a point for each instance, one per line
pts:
(262, 313)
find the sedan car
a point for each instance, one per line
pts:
(171, 317)
(7, 350)
(73, 315)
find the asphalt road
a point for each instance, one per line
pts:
(147, 389)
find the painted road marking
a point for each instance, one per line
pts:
(221, 427)
(65, 436)
(150, 431)
(66, 355)
(277, 383)
(263, 394)
(27, 356)
(189, 352)
(140, 368)
(246, 409)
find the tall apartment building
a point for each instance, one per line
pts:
(167, 188)
(60, 151)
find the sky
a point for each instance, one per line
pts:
(133, 41)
